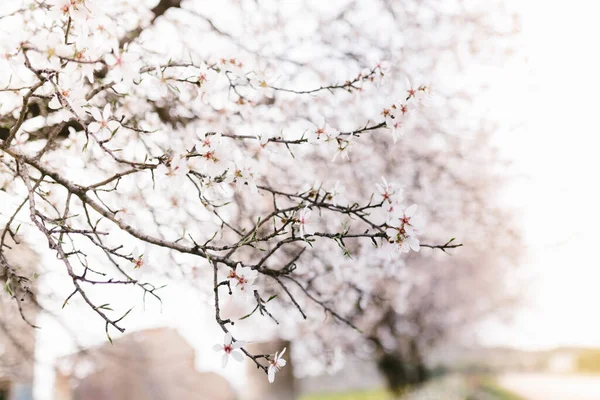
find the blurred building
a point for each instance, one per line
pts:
(17, 313)
(155, 364)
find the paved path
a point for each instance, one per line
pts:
(552, 387)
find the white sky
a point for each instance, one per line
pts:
(555, 93)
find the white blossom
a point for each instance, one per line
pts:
(140, 259)
(305, 222)
(241, 280)
(173, 170)
(276, 364)
(70, 95)
(103, 125)
(230, 348)
(124, 65)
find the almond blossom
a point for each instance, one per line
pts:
(325, 134)
(103, 124)
(305, 223)
(211, 159)
(71, 96)
(396, 118)
(420, 94)
(259, 80)
(124, 65)
(76, 9)
(138, 258)
(276, 364)
(241, 280)
(230, 348)
(175, 169)
(336, 193)
(242, 175)
(404, 226)
(388, 192)
(343, 149)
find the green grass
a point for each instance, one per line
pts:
(367, 395)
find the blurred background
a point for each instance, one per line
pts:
(505, 161)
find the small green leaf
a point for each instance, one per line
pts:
(8, 288)
(248, 315)
(271, 298)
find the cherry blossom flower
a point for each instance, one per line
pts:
(401, 242)
(104, 125)
(242, 175)
(230, 348)
(9, 63)
(164, 82)
(231, 65)
(212, 158)
(409, 243)
(69, 94)
(259, 80)
(412, 223)
(53, 45)
(207, 141)
(305, 223)
(215, 191)
(404, 226)
(343, 149)
(76, 9)
(336, 192)
(174, 168)
(206, 78)
(84, 62)
(139, 259)
(276, 364)
(386, 190)
(420, 94)
(241, 280)
(396, 124)
(411, 91)
(124, 65)
(324, 133)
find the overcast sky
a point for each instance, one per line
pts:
(555, 92)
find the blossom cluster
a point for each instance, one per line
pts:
(403, 223)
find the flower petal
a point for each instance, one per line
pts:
(96, 114)
(224, 360)
(218, 347)
(106, 112)
(113, 125)
(237, 356)
(94, 127)
(414, 243)
(410, 211)
(227, 339)
(271, 374)
(238, 344)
